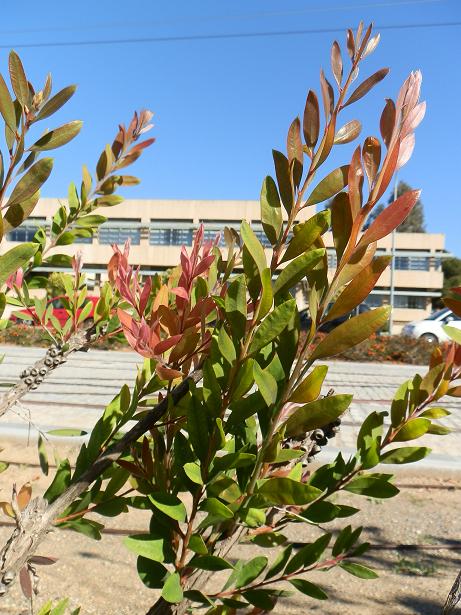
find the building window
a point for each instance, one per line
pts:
(171, 232)
(410, 302)
(212, 228)
(118, 231)
(27, 230)
(332, 260)
(413, 263)
(374, 301)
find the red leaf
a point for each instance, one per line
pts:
(25, 582)
(165, 345)
(355, 182)
(311, 119)
(390, 218)
(366, 86)
(327, 95)
(41, 560)
(387, 122)
(337, 63)
(294, 143)
(166, 373)
(371, 154)
(180, 292)
(24, 496)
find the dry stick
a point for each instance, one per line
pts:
(80, 340)
(453, 597)
(37, 519)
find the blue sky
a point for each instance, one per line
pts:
(221, 105)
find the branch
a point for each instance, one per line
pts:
(32, 377)
(38, 518)
(453, 597)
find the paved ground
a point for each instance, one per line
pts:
(75, 395)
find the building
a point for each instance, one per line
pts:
(158, 228)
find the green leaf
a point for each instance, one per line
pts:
(261, 598)
(359, 288)
(287, 491)
(453, 333)
(43, 457)
(15, 258)
(268, 540)
(266, 383)
(60, 482)
(358, 570)
(235, 305)
(373, 486)
(369, 439)
(317, 414)
(435, 413)
(282, 171)
(279, 562)
(197, 545)
(210, 562)
(193, 473)
(67, 432)
(272, 325)
(309, 554)
(31, 181)
(295, 271)
(151, 573)
(216, 508)
(6, 106)
(57, 137)
(147, 545)
(250, 571)
(351, 333)
(226, 346)
(271, 210)
(399, 404)
(56, 102)
(306, 233)
(413, 429)
(4, 466)
(438, 430)
(172, 590)
(170, 505)
(330, 185)
(405, 454)
(310, 387)
(253, 246)
(233, 460)
(18, 79)
(309, 589)
(16, 214)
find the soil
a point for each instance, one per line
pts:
(101, 576)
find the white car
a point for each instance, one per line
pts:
(431, 328)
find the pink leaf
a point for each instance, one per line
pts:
(180, 292)
(166, 344)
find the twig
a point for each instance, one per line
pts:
(38, 518)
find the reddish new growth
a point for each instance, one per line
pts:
(153, 328)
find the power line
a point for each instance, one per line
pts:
(208, 37)
(231, 17)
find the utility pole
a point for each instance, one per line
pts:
(392, 283)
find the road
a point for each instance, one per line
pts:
(76, 394)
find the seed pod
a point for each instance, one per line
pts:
(34, 371)
(56, 361)
(25, 373)
(315, 449)
(54, 352)
(33, 387)
(49, 361)
(317, 435)
(38, 380)
(28, 380)
(43, 371)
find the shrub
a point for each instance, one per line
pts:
(227, 409)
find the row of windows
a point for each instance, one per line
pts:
(400, 301)
(167, 236)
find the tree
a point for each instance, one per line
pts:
(415, 221)
(451, 268)
(227, 409)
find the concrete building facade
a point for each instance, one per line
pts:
(158, 229)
